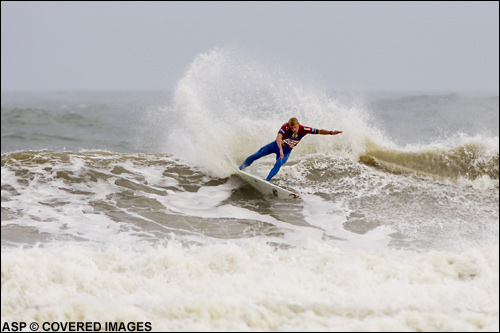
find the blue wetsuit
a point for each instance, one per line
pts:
(266, 150)
(290, 140)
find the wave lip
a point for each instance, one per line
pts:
(471, 160)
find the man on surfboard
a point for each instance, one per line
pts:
(288, 137)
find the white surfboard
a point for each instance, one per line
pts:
(265, 187)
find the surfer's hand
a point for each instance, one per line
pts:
(335, 132)
(282, 156)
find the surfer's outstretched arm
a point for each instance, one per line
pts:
(327, 132)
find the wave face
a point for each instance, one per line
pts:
(125, 206)
(476, 158)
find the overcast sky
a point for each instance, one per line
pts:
(445, 46)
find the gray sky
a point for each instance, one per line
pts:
(446, 46)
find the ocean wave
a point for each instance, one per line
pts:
(471, 160)
(254, 287)
(95, 195)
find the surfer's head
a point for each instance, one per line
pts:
(294, 124)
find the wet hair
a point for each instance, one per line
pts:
(293, 121)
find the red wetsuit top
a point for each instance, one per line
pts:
(290, 140)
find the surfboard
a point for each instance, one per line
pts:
(265, 187)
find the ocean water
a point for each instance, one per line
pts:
(125, 207)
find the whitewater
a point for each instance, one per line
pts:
(124, 207)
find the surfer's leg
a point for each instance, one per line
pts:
(279, 163)
(264, 151)
(274, 170)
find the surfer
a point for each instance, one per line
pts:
(288, 137)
